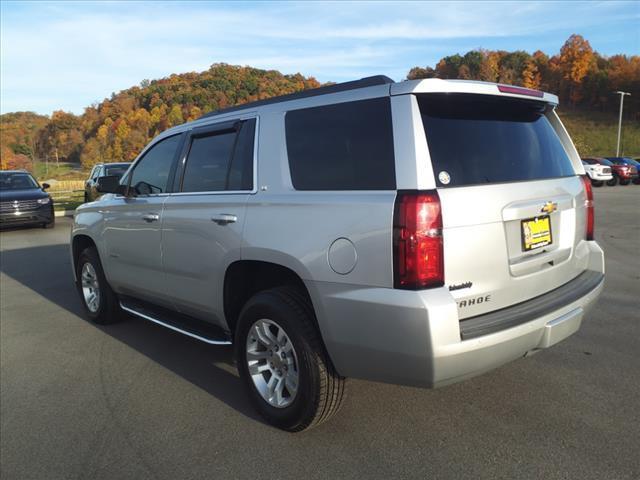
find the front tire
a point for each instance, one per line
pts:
(283, 363)
(99, 301)
(625, 182)
(612, 182)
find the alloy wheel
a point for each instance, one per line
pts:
(273, 363)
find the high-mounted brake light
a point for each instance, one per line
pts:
(520, 91)
(588, 190)
(418, 252)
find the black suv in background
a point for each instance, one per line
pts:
(23, 201)
(102, 170)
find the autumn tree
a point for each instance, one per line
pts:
(490, 66)
(575, 61)
(61, 139)
(531, 75)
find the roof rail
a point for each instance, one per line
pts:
(312, 92)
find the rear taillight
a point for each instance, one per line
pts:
(588, 190)
(418, 255)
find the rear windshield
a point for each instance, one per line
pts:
(479, 139)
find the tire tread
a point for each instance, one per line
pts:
(332, 391)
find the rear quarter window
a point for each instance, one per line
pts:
(479, 139)
(345, 146)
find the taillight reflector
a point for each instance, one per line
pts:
(588, 190)
(520, 91)
(418, 253)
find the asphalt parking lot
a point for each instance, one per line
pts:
(134, 400)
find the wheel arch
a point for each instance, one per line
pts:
(244, 278)
(79, 243)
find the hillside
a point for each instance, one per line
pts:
(18, 135)
(596, 133)
(117, 128)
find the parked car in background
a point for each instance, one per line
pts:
(630, 162)
(626, 168)
(616, 170)
(597, 172)
(102, 170)
(23, 201)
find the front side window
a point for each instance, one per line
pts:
(151, 173)
(221, 160)
(345, 146)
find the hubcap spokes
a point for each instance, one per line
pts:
(273, 363)
(90, 287)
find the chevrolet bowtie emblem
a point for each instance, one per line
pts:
(549, 207)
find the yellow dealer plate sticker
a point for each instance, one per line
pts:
(536, 233)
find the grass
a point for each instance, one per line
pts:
(64, 171)
(596, 133)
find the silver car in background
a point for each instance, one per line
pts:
(417, 233)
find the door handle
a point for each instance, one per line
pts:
(224, 218)
(151, 217)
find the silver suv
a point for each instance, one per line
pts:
(416, 233)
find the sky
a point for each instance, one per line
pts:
(68, 55)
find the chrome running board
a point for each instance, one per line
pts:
(212, 337)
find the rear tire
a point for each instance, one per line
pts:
(278, 322)
(100, 302)
(612, 182)
(597, 183)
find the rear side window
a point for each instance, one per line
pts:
(479, 139)
(221, 160)
(346, 146)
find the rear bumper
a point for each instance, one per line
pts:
(416, 338)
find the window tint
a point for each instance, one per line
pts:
(347, 146)
(221, 160)
(151, 174)
(115, 170)
(241, 173)
(475, 139)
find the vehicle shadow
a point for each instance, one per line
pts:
(46, 270)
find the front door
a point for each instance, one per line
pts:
(133, 224)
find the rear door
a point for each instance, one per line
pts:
(203, 220)
(512, 204)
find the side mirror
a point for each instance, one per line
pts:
(110, 184)
(45, 186)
